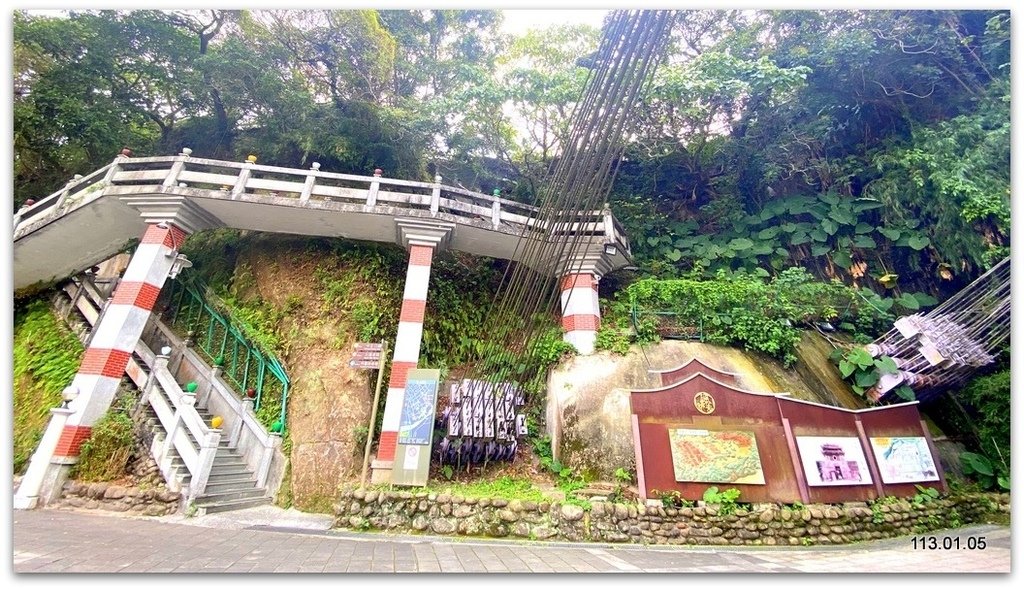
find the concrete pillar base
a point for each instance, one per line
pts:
(380, 471)
(53, 482)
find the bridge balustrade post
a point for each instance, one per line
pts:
(176, 168)
(115, 166)
(435, 196)
(307, 189)
(111, 345)
(207, 453)
(371, 196)
(243, 177)
(67, 191)
(496, 214)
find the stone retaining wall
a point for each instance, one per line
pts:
(116, 498)
(761, 524)
(146, 494)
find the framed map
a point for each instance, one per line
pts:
(904, 459)
(715, 456)
(416, 425)
(833, 460)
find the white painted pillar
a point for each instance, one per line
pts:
(27, 496)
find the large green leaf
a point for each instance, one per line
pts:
(925, 299)
(977, 463)
(861, 358)
(918, 242)
(820, 249)
(799, 238)
(863, 228)
(908, 301)
(674, 255)
(866, 378)
(863, 241)
(886, 365)
(842, 216)
(829, 226)
(842, 258)
(906, 393)
(846, 368)
(741, 244)
(768, 233)
(892, 234)
(819, 236)
(830, 198)
(865, 204)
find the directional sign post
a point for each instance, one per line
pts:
(370, 355)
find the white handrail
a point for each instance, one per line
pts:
(310, 185)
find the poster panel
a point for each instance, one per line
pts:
(715, 456)
(416, 424)
(833, 460)
(416, 428)
(904, 459)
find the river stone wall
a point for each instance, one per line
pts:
(761, 524)
(116, 498)
(143, 493)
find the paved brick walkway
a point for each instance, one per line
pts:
(58, 540)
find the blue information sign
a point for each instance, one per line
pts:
(416, 425)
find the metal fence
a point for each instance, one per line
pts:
(249, 370)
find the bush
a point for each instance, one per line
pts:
(106, 452)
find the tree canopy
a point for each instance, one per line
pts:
(868, 146)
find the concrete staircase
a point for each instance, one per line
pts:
(232, 485)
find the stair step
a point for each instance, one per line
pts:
(213, 487)
(232, 495)
(232, 505)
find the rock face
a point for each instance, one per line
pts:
(654, 524)
(588, 397)
(329, 402)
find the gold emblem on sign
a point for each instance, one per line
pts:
(704, 403)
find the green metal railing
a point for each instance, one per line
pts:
(244, 365)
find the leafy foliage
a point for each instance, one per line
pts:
(46, 356)
(104, 455)
(725, 499)
(743, 309)
(984, 471)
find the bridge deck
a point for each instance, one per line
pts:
(94, 217)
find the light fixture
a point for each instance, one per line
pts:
(68, 395)
(165, 351)
(610, 249)
(181, 262)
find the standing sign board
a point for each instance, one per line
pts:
(416, 428)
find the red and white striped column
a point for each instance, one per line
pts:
(581, 312)
(422, 238)
(407, 347)
(113, 342)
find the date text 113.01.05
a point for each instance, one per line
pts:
(948, 543)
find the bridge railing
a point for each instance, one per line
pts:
(243, 180)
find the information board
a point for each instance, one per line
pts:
(416, 428)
